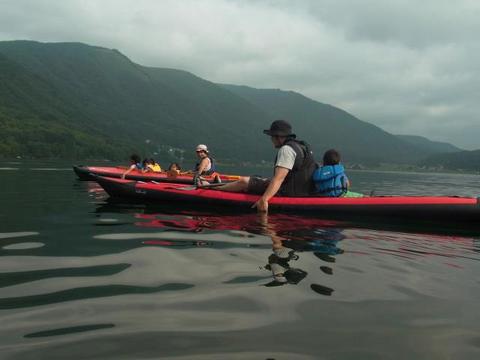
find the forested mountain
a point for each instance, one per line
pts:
(330, 127)
(103, 95)
(428, 145)
(463, 160)
(72, 100)
(34, 121)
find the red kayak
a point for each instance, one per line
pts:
(90, 173)
(432, 208)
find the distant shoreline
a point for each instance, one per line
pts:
(393, 168)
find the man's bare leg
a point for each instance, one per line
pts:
(241, 185)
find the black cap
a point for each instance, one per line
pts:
(280, 128)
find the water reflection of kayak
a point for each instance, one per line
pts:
(90, 173)
(438, 209)
(249, 222)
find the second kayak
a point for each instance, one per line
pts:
(90, 173)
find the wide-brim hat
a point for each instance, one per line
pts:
(280, 128)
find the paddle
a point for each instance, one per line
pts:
(196, 187)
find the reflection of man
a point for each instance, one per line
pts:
(323, 243)
(294, 166)
(278, 263)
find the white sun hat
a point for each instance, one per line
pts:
(202, 147)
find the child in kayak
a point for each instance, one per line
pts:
(152, 166)
(330, 179)
(174, 169)
(135, 164)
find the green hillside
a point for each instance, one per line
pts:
(71, 100)
(104, 94)
(33, 121)
(463, 160)
(331, 127)
(429, 146)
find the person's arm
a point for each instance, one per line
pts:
(275, 184)
(203, 165)
(128, 171)
(270, 230)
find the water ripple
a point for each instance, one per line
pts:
(85, 293)
(10, 235)
(18, 277)
(69, 330)
(24, 246)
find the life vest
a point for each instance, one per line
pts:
(330, 180)
(209, 171)
(154, 167)
(298, 181)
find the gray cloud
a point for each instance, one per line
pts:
(407, 66)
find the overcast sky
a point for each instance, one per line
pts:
(410, 67)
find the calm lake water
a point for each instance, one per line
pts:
(85, 278)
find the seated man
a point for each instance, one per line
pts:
(294, 166)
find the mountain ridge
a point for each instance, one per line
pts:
(349, 134)
(98, 95)
(430, 145)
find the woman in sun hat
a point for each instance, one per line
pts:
(206, 165)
